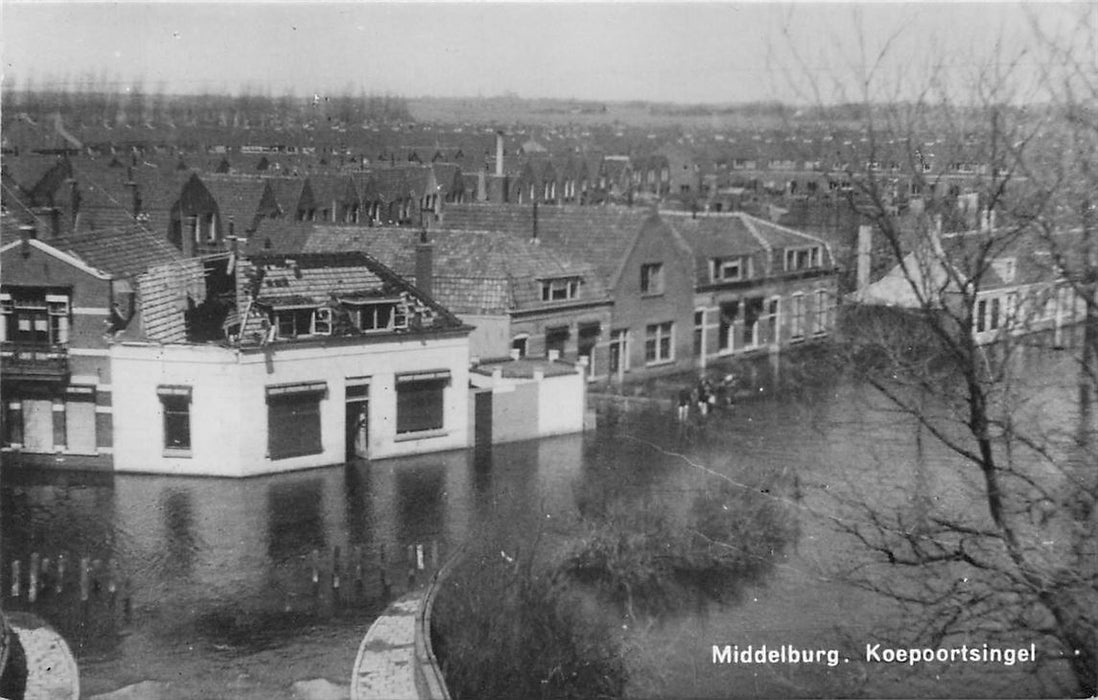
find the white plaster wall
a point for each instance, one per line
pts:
(561, 404)
(229, 405)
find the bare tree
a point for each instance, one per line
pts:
(968, 178)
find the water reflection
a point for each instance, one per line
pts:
(251, 584)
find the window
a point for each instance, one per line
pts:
(752, 311)
(13, 423)
(293, 419)
(377, 316)
(294, 322)
(175, 402)
(35, 316)
(994, 324)
(651, 280)
(802, 258)
(730, 269)
(420, 401)
(772, 320)
(559, 289)
(322, 321)
(556, 338)
(981, 315)
(619, 350)
(729, 312)
(658, 345)
(796, 320)
(699, 332)
(519, 343)
(821, 311)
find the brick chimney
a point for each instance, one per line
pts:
(26, 233)
(425, 264)
(865, 245)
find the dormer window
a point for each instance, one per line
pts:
(377, 315)
(294, 321)
(806, 258)
(560, 289)
(730, 269)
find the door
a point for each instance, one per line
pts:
(80, 425)
(482, 415)
(357, 428)
(37, 425)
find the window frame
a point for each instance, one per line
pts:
(424, 423)
(659, 343)
(651, 279)
(175, 408)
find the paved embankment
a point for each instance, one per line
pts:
(51, 667)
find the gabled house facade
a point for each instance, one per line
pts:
(63, 302)
(758, 286)
(644, 265)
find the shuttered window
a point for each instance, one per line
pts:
(293, 419)
(420, 401)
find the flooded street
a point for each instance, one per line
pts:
(239, 588)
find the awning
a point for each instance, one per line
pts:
(297, 388)
(436, 375)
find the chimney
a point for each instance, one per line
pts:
(190, 225)
(424, 264)
(865, 245)
(534, 235)
(499, 154)
(232, 227)
(482, 187)
(135, 198)
(26, 233)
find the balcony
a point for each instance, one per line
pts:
(33, 362)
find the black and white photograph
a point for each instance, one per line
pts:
(537, 350)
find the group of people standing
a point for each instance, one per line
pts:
(706, 396)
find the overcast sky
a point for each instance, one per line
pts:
(684, 52)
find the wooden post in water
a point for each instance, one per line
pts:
(358, 568)
(44, 577)
(112, 581)
(32, 578)
(15, 576)
(96, 566)
(335, 574)
(85, 578)
(59, 586)
(127, 602)
(316, 571)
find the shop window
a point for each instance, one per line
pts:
(420, 401)
(175, 403)
(293, 419)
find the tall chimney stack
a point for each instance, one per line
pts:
(499, 154)
(865, 246)
(425, 264)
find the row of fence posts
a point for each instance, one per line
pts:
(45, 577)
(418, 557)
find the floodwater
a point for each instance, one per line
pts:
(240, 588)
